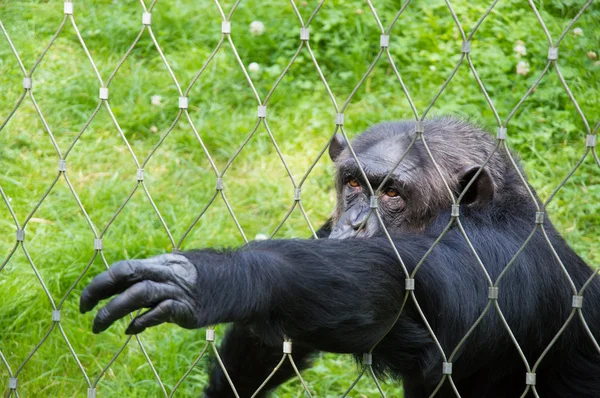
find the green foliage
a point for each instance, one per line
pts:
(425, 44)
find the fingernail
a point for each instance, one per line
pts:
(83, 305)
(97, 327)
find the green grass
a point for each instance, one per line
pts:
(425, 45)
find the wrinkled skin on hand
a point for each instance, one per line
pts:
(167, 284)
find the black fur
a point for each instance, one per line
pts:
(343, 295)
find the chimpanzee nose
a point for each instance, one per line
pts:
(350, 222)
(357, 223)
(357, 218)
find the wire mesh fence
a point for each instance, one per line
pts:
(92, 233)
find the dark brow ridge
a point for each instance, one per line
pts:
(375, 179)
(350, 168)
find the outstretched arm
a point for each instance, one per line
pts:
(249, 360)
(321, 292)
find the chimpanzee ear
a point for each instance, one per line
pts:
(338, 144)
(481, 191)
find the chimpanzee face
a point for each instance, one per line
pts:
(358, 219)
(357, 192)
(402, 182)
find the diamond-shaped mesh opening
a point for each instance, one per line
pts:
(152, 116)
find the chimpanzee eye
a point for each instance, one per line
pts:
(352, 182)
(392, 193)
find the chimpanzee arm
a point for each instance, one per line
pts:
(249, 360)
(324, 293)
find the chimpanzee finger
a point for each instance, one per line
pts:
(166, 311)
(144, 294)
(122, 275)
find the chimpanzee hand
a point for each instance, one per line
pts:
(167, 284)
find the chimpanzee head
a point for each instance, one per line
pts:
(415, 191)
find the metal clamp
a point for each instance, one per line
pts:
(530, 379)
(466, 47)
(27, 83)
(146, 18)
(493, 293)
(103, 93)
(447, 368)
(210, 334)
(374, 202)
(68, 8)
(339, 119)
(140, 175)
(226, 27)
(539, 217)
(590, 140)
(501, 134)
(409, 284)
(62, 165)
(262, 111)
(55, 315)
(577, 301)
(304, 34)
(552, 53)
(20, 235)
(367, 359)
(183, 102)
(455, 212)
(287, 347)
(419, 127)
(384, 41)
(98, 244)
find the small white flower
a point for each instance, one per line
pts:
(522, 68)
(154, 129)
(520, 49)
(254, 67)
(257, 28)
(155, 100)
(261, 237)
(592, 55)
(578, 32)
(432, 68)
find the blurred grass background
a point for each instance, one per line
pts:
(425, 44)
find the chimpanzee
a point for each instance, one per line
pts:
(343, 294)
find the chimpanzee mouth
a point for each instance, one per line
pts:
(362, 233)
(346, 233)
